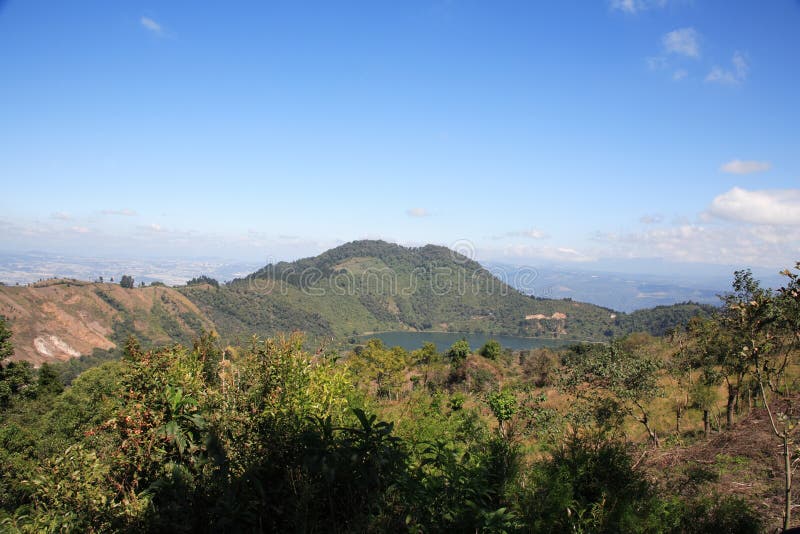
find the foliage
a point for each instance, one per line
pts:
(491, 349)
(588, 486)
(616, 374)
(458, 351)
(203, 279)
(6, 347)
(127, 281)
(261, 435)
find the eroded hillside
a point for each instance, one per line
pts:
(61, 319)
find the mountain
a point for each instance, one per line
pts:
(619, 291)
(358, 288)
(370, 286)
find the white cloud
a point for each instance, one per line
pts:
(745, 167)
(532, 233)
(80, 229)
(153, 227)
(151, 25)
(628, 6)
(776, 206)
(417, 212)
(683, 41)
(544, 253)
(61, 216)
(634, 6)
(679, 74)
(733, 76)
(651, 219)
(740, 65)
(656, 62)
(124, 212)
(731, 244)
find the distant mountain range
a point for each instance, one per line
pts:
(352, 290)
(619, 291)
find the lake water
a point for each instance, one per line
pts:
(443, 340)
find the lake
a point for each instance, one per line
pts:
(443, 340)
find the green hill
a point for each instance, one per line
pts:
(370, 286)
(357, 288)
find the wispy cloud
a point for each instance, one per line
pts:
(683, 41)
(651, 219)
(775, 206)
(566, 254)
(124, 212)
(732, 244)
(732, 76)
(61, 216)
(532, 233)
(153, 227)
(656, 62)
(635, 6)
(745, 167)
(151, 25)
(679, 74)
(417, 212)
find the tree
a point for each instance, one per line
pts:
(743, 315)
(700, 348)
(628, 379)
(503, 405)
(459, 351)
(204, 279)
(491, 349)
(773, 326)
(48, 381)
(6, 348)
(126, 281)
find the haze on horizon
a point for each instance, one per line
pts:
(597, 134)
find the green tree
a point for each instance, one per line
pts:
(743, 314)
(127, 281)
(504, 406)
(48, 380)
(459, 351)
(6, 347)
(491, 349)
(629, 379)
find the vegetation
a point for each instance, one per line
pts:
(264, 436)
(369, 286)
(127, 281)
(673, 433)
(203, 279)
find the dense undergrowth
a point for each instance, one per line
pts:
(268, 437)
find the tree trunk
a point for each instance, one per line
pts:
(650, 432)
(733, 394)
(706, 424)
(787, 466)
(678, 415)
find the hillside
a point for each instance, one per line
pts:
(357, 288)
(368, 286)
(61, 319)
(371, 286)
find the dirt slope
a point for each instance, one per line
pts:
(745, 461)
(57, 320)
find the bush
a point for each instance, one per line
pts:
(491, 349)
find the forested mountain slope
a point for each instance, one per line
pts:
(354, 289)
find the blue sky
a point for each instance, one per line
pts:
(570, 132)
